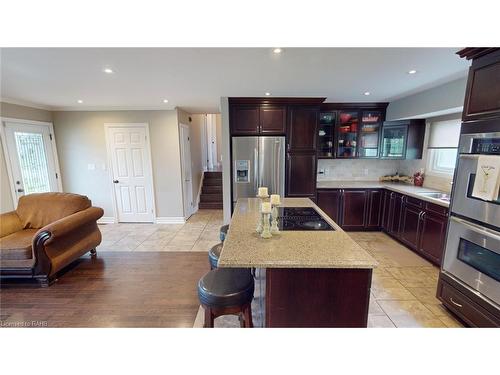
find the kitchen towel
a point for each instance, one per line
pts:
(487, 182)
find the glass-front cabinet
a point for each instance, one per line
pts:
(369, 134)
(347, 134)
(394, 142)
(326, 134)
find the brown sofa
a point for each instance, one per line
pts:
(45, 233)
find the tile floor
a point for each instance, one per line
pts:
(403, 286)
(199, 233)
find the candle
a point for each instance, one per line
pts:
(263, 192)
(275, 199)
(266, 207)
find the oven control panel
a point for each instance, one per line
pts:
(486, 146)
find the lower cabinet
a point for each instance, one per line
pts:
(418, 224)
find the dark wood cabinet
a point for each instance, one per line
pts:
(433, 236)
(303, 124)
(374, 209)
(410, 226)
(386, 210)
(395, 211)
(482, 95)
(354, 205)
(301, 175)
(245, 120)
(273, 119)
(402, 139)
(330, 201)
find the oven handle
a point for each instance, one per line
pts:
(476, 228)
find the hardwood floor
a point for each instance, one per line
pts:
(116, 289)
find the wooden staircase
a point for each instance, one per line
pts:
(211, 191)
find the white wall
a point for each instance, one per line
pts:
(226, 166)
(440, 100)
(20, 112)
(196, 134)
(81, 141)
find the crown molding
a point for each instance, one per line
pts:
(26, 103)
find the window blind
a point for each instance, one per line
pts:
(444, 134)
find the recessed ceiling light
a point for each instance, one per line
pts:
(367, 93)
(108, 70)
(165, 100)
(79, 101)
(413, 71)
(277, 50)
(268, 94)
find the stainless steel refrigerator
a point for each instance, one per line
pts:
(256, 162)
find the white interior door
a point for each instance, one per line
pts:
(128, 146)
(187, 180)
(31, 157)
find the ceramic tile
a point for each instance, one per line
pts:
(382, 321)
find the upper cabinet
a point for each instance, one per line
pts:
(402, 139)
(302, 128)
(482, 96)
(350, 130)
(258, 119)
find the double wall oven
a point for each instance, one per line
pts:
(472, 254)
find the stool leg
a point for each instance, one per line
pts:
(209, 318)
(241, 319)
(247, 314)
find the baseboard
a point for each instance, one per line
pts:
(170, 220)
(106, 220)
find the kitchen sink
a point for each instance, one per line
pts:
(436, 195)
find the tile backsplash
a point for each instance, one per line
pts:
(355, 169)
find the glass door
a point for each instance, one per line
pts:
(369, 134)
(326, 132)
(31, 155)
(394, 142)
(347, 134)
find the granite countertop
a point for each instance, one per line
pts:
(403, 188)
(243, 247)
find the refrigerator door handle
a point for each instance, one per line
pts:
(256, 169)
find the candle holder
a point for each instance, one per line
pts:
(259, 227)
(266, 232)
(274, 221)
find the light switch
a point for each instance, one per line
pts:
(91, 167)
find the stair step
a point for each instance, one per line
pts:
(213, 205)
(213, 182)
(211, 189)
(209, 175)
(217, 197)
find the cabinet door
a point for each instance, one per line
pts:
(482, 98)
(302, 128)
(386, 213)
(273, 120)
(354, 204)
(245, 120)
(433, 236)
(374, 214)
(329, 201)
(394, 142)
(410, 225)
(395, 217)
(301, 175)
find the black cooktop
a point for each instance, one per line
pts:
(301, 218)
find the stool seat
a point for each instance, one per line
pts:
(223, 232)
(214, 255)
(226, 287)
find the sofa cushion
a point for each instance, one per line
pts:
(39, 210)
(18, 245)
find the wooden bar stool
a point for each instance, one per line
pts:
(223, 232)
(214, 255)
(227, 291)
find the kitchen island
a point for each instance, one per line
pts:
(315, 278)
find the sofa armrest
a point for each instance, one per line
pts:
(73, 222)
(10, 223)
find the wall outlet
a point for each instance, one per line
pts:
(321, 171)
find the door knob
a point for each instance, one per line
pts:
(20, 190)
(115, 181)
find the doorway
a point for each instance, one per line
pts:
(31, 157)
(187, 179)
(131, 175)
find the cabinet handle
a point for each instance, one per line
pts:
(455, 303)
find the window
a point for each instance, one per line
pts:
(443, 147)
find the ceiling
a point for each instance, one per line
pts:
(195, 78)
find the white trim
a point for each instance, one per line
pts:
(188, 209)
(109, 125)
(8, 160)
(170, 220)
(26, 103)
(106, 220)
(199, 190)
